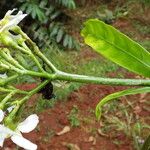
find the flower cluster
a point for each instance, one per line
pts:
(9, 126)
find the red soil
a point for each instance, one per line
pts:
(55, 119)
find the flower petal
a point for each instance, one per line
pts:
(9, 12)
(16, 18)
(4, 130)
(1, 115)
(2, 138)
(3, 134)
(10, 20)
(24, 143)
(6, 133)
(28, 124)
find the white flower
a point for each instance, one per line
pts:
(25, 127)
(10, 20)
(4, 132)
(1, 115)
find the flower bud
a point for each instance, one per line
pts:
(7, 40)
(12, 120)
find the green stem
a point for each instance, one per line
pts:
(91, 79)
(37, 62)
(7, 80)
(28, 52)
(34, 91)
(7, 56)
(59, 75)
(40, 74)
(98, 80)
(33, 57)
(7, 65)
(38, 53)
(14, 89)
(83, 79)
(36, 49)
(5, 100)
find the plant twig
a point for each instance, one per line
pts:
(98, 80)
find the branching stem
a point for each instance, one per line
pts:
(32, 92)
(7, 80)
(98, 80)
(91, 79)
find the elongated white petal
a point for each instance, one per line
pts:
(5, 130)
(16, 19)
(28, 124)
(10, 20)
(4, 133)
(9, 12)
(1, 115)
(2, 139)
(24, 143)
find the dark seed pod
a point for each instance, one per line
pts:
(47, 90)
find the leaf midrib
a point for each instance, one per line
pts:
(121, 49)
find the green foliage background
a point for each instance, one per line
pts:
(46, 21)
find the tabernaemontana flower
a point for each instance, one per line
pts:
(26, 126)
(10, 20)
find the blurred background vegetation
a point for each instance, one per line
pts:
(46, 20)
(55, 26)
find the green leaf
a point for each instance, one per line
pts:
(24, 6)
(70, 42)
(65, 40)
(29, 9)
(40, 14)
(43, 4)
(110, 97)
(59, 35)
(50, 10)
(54, 30)
(116, 46)
(71, 5)
(55, 14)
(33, 14)
(76, 44)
